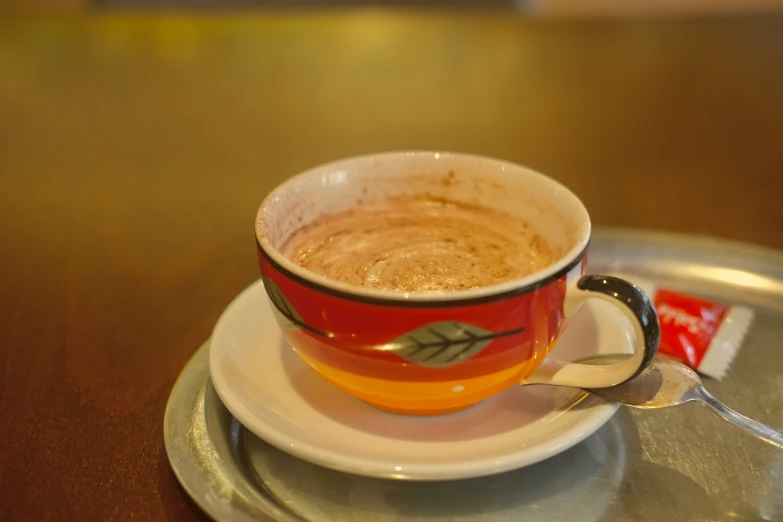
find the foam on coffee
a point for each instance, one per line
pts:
(419, 244)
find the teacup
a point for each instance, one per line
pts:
(369, 342)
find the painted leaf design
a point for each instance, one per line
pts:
(442, 344)
(281, 302)
(284, 307)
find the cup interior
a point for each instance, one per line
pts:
(558, 215)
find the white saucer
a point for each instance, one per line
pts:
(271, 391)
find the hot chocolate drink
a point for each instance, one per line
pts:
(419, 244)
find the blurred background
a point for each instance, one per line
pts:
(671, 109)
(548, 7)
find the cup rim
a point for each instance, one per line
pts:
(517, 286)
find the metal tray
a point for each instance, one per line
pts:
(678, 464)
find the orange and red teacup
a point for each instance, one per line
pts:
(431, 353)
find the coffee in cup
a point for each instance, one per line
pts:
(419, 244)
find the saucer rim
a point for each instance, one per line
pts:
(600, 412)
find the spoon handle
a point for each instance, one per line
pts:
(761, 431)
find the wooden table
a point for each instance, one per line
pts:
(134, 150)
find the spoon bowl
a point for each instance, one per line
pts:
(666, 383)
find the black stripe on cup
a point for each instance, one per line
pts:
(412, 303)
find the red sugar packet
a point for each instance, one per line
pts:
(704, 334)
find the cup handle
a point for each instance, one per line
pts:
(636, 306)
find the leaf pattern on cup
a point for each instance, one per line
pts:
(284, 308)
(435, 345)
(445, 343)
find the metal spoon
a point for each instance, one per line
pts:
(666, 383)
